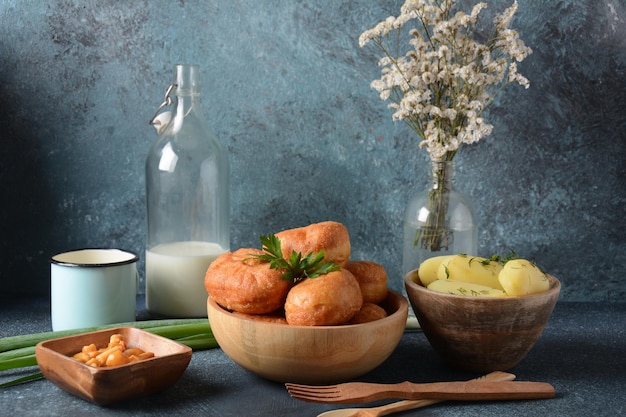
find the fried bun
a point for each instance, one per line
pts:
(240, 283)
(372, 279)
(368, 312)
(331, 237)
(327, 300)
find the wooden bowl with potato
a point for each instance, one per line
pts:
(483, 332)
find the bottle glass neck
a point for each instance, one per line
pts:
(187, 90)
(187, 80)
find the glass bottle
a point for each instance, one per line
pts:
(438, 221)
(188, 209)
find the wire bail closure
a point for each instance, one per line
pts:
(160, 120)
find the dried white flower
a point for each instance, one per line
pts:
(446, 78)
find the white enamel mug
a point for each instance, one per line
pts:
(92, 287)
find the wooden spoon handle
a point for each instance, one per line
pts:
(405, 405)
(475, 390)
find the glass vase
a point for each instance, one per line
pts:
(438, 221)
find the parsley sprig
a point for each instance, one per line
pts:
(505, 258)
(513, 255)
(297, 267)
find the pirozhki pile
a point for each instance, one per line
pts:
(302, 276)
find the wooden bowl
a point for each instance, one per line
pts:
(481, 334)
(112, 384)
(309, 354)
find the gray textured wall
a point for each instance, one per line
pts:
(286, 87)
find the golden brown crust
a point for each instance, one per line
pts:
(369, 312)
(331, 237)
(277, 317)
(245, 285)
(372, 279)
(327, 300)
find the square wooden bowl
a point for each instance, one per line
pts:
(117, 383)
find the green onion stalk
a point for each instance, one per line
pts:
(18, 352)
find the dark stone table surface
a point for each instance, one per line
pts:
(582, 353)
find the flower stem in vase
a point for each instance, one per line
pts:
(439, 220)
(435, 235)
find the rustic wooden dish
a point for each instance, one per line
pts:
(481, 334)
(112, 384)
(309, 354)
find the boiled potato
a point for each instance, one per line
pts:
(471, 269)
(449, 286)
(522, 277)
(428, 268)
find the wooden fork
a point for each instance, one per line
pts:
(404, 405)
(361, 392)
